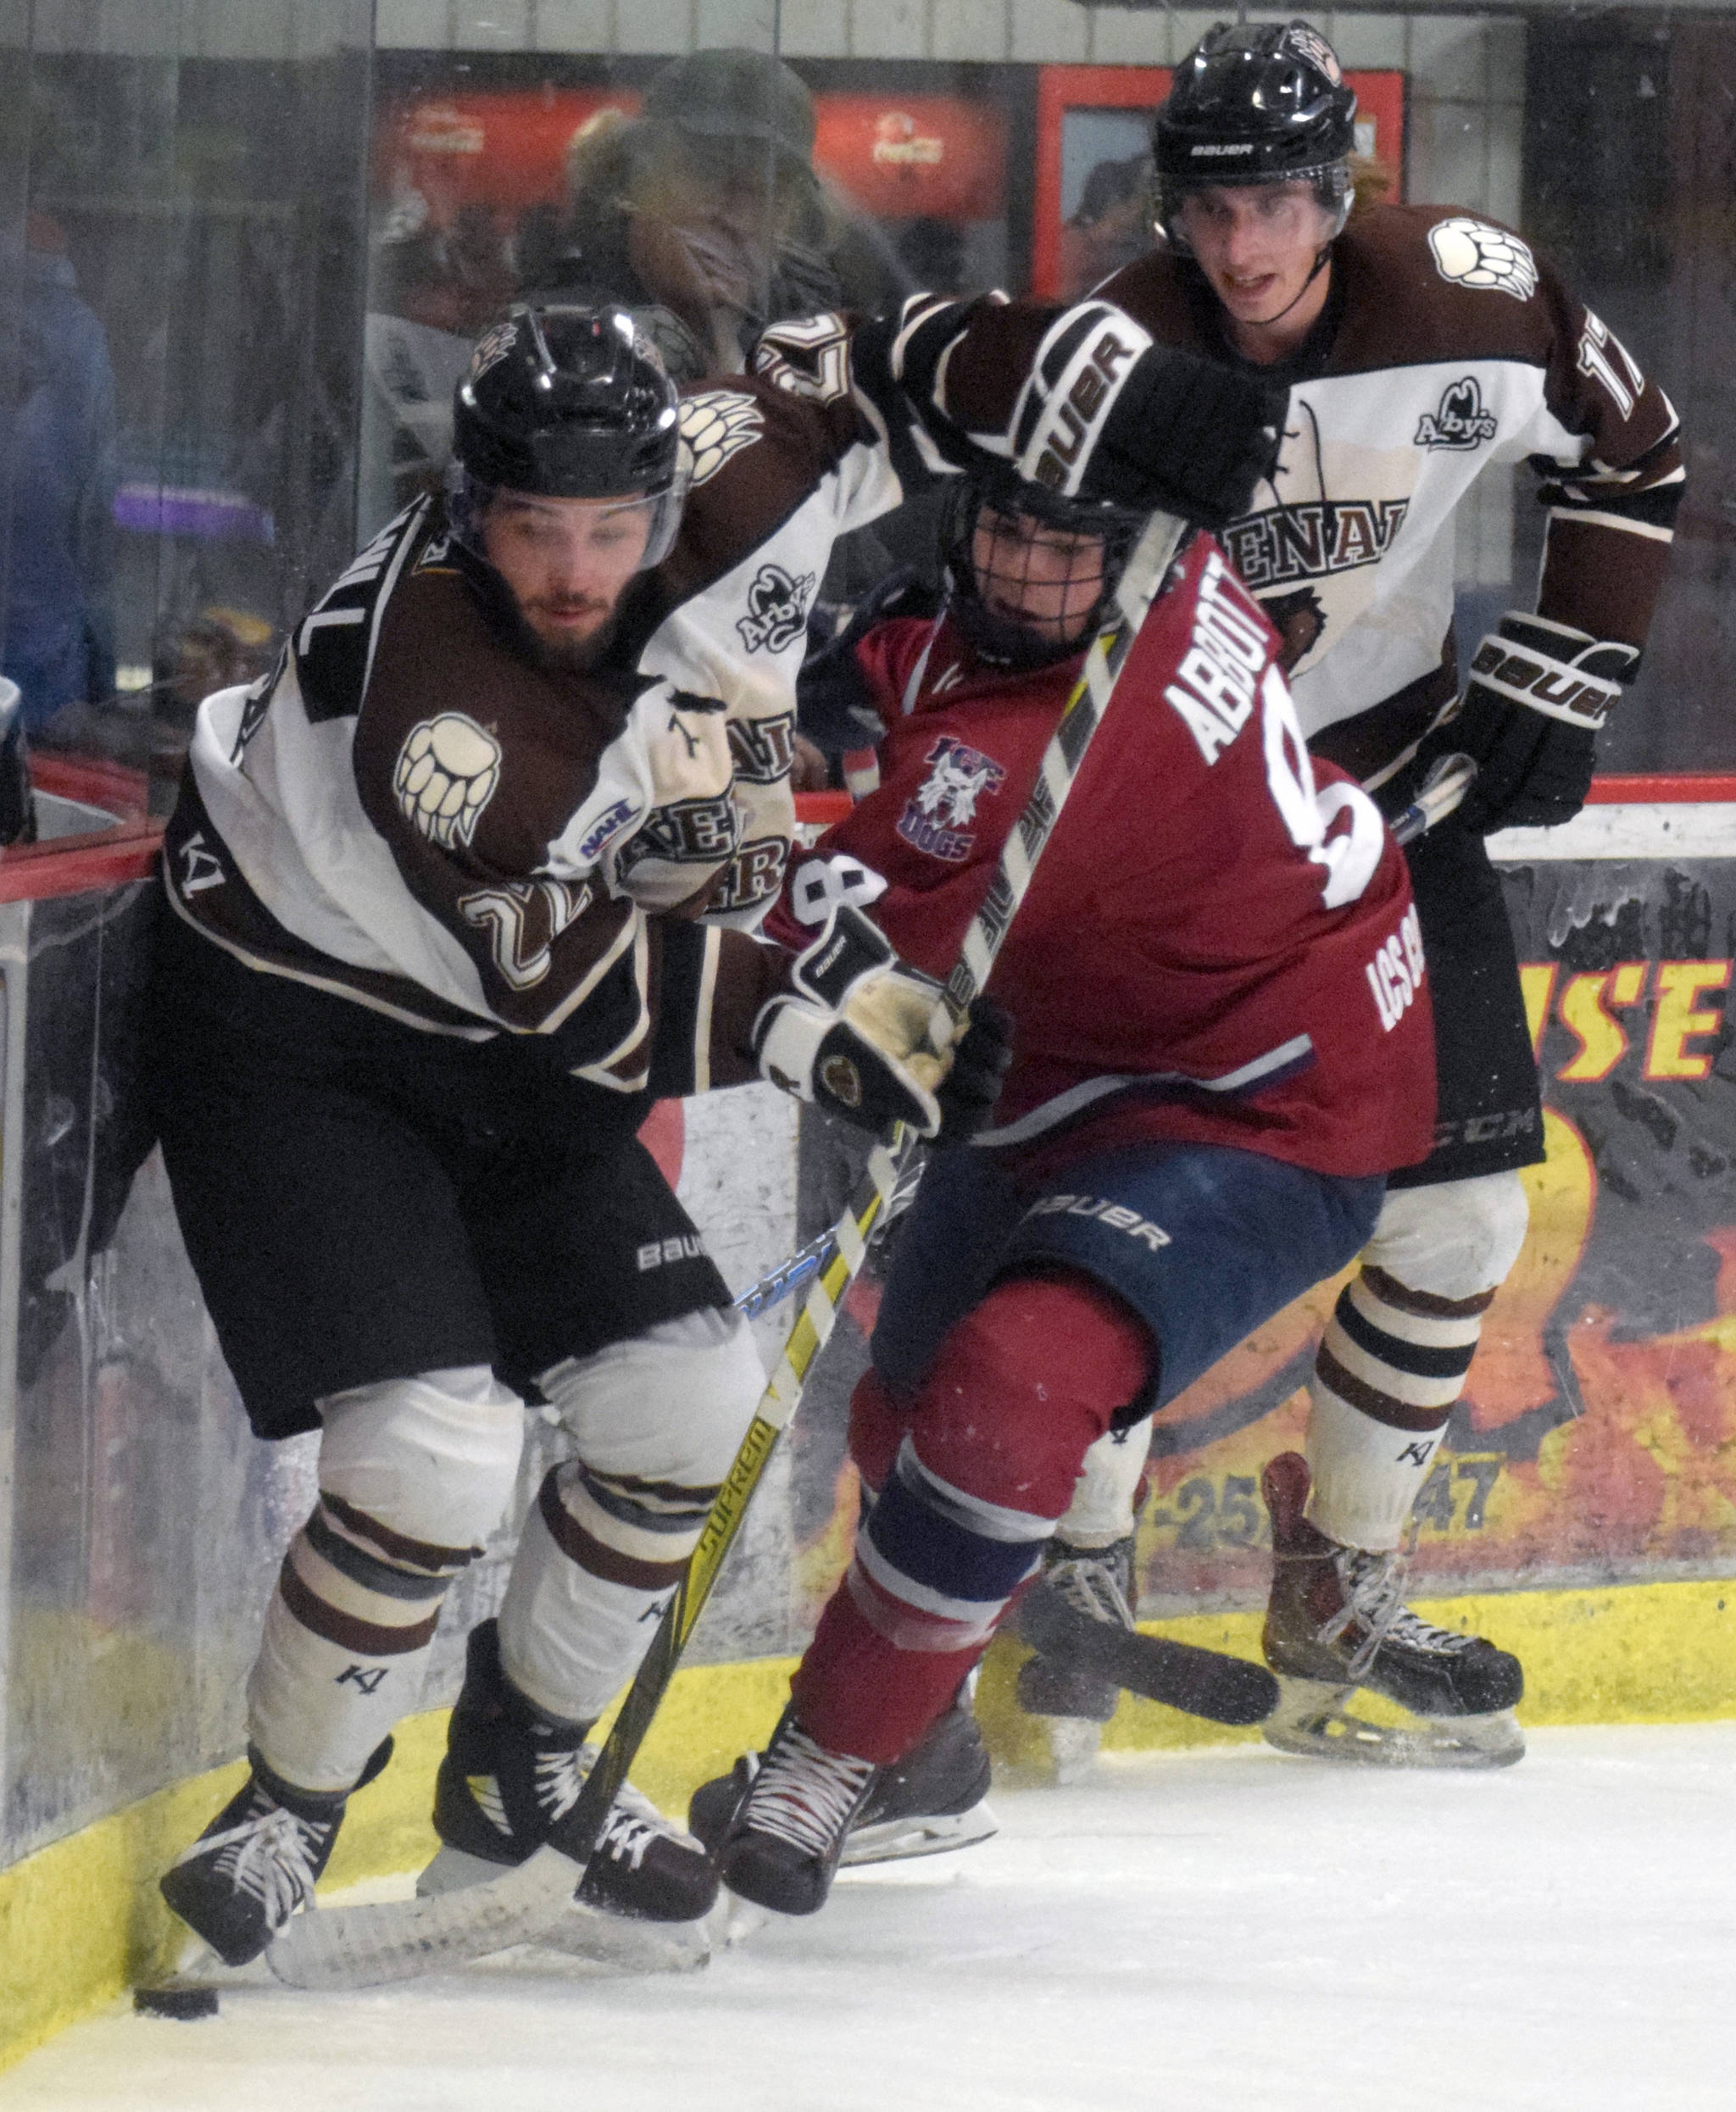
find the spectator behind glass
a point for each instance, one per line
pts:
(58, 455)
(1112, 226)
(704, 215)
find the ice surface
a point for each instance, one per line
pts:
(1206, 1932)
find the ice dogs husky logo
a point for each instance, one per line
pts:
(937, 816)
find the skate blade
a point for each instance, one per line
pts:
(898, 1840)
(1073, 1742)
(734, 1920)
(582, 1930)
(1313, 1718)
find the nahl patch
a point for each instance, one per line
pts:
(1115, 1216)
(1460, 420)
(938, 814)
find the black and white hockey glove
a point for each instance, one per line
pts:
(851, 1035)
(1536, 694)
(1188, 434)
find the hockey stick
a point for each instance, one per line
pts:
(1443, 790)
(365, 1946)
(1208, 1683)
(819, 1254)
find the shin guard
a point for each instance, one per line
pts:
(1020, 1387)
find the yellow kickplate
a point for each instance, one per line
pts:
(82, 1919)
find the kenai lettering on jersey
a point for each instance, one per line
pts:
(938, 814)
(1313, 539)
(1219, 675)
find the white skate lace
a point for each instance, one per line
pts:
(634, 1822)
(804, 1794)
(1089, 1582)
(1373, 1585)
(270, 1856)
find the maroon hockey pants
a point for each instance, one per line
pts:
(970, 1472)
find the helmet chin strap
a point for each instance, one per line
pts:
(1320, 262)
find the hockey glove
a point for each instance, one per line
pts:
(1187, 435)
(1536, 694)
(851, 1035)
(979, 1061)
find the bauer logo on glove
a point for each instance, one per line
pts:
(1536, 694)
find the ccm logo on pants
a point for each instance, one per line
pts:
(1116, 1215)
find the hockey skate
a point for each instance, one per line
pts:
(932, 1800)
(784, 1842)
(1337, 1621)
(1072, 1700)
(510, 1774)
(258, 1860)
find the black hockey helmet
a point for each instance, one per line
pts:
(975, 595)
(568, 402)
(1255, 103)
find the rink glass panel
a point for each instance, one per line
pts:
(267, 231)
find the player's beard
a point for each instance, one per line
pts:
(566, 656)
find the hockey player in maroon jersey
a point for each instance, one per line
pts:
(1419, 345)
(459, 888)
(1222, 1044)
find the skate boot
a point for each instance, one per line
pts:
(1072, 1700)
(783, 1846)
(1337, 1621)
(510, 1774)
(933, 1799)
(258, 1860)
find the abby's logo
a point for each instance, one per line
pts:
(938, 816)
(777, 610)
(1460, 420)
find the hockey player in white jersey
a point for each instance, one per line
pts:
(1419, 345)
(457, 891)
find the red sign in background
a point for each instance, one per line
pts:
(897, 157)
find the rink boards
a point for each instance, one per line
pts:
(1584, 1514)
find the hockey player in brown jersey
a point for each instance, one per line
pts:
(456, 893)
(1419, 345)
